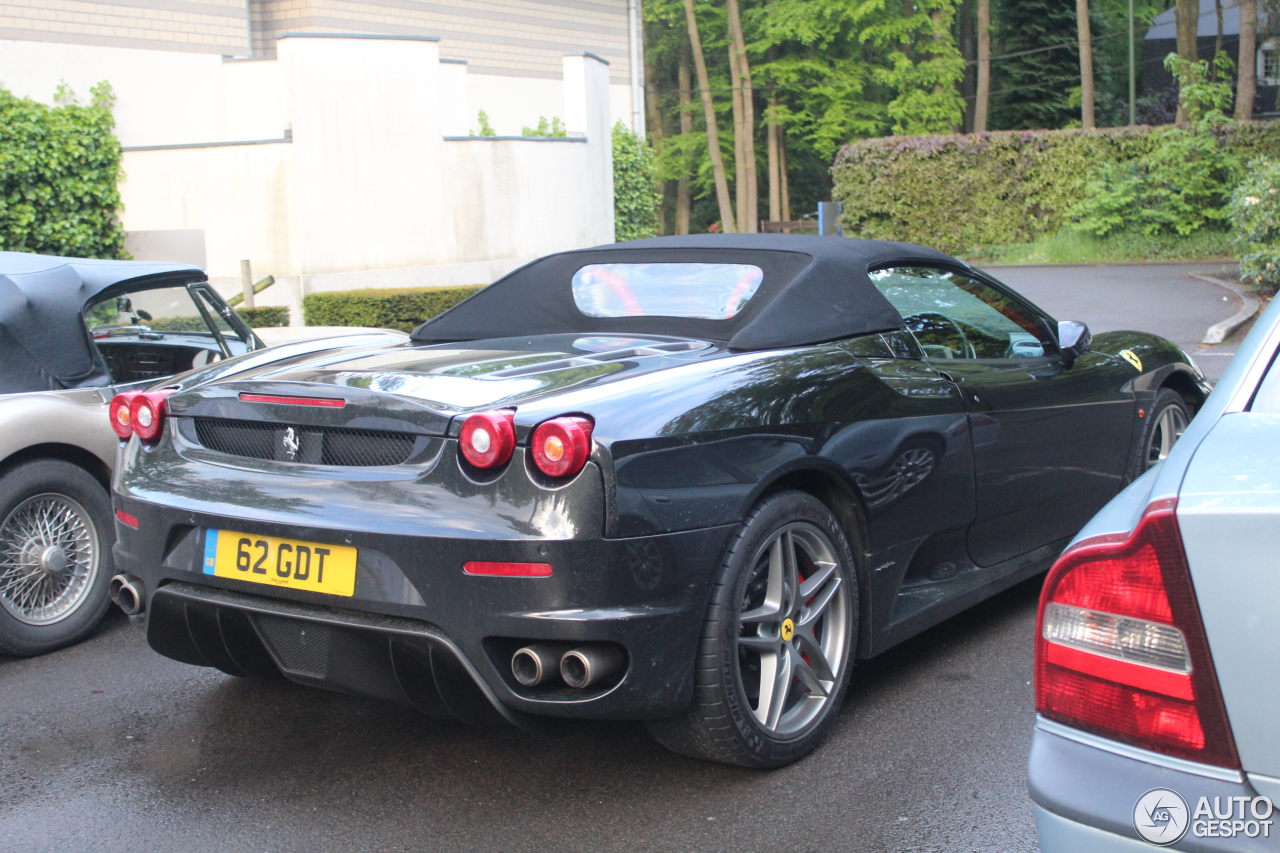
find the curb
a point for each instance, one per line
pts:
(1219, 332)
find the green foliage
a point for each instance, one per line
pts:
(59, 173)
(1076, 247)
(924, 66)
(965, 191)
(265, 316)
(1181, 184)
(486, 129)
(635, 203)
(402, 309)
(553, 128)
(1254, 209)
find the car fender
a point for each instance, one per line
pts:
(1156, 362)
(76, 418)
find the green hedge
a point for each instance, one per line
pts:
(264, 317)
(963, 192)
(402, 309)
(59, 174)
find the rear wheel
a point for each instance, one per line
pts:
(777, 642)
(55, 556)
(1165, 424)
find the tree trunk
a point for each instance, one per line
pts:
(982, 101)
(1217, 42)
(739, 157)
(1085, 37)
(709, 111)
(784, 187)
(1247, 79)
(655, 132)
(749, 218)
(1187, 15)
(685, 95)
(771, 138)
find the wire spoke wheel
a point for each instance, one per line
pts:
(49, 556)
(793, 629)
(1171, 422)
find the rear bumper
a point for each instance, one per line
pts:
(1086, 789)
(418, 630)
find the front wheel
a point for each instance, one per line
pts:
(1165, 424)
(55, 556)
(778, 639)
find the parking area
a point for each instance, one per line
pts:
(108, 746)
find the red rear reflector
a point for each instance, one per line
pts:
(127, 519)
(331, 402)
(509, 570)
(1121, 649)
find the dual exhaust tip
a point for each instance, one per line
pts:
(128, 593)
(579, 666)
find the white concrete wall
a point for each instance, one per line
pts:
(360, 188)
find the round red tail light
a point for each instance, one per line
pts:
(561, 445)
(488, 439)
(147, 413)
(121, 413)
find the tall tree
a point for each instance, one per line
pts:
(709, 111)
(1187, 20)
(924, 67)
(982, 100)
(771, 155)
(1246, 74)
(655, 128)
(745, 177)
(684, 95)
(1032, 81)
(1084, 38)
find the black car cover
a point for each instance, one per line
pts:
(815, 289)
(44, 343)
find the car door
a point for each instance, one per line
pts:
(1051, 439)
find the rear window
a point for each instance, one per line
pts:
(695, 291)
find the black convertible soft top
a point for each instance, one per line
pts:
(44, 343)
(815, 289)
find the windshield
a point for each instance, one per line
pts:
(695, 291)
(155, 333)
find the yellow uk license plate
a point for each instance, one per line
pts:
(280, 562)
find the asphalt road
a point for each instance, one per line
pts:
(1160, 298)
(109, 747)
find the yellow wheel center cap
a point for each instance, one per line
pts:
(788, 630)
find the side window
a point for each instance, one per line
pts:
(955, 316)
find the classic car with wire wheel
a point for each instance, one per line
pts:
(73, 332)
(683, 480)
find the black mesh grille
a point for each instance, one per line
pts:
(307, 444)
(303, 647)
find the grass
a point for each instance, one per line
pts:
(1074, 247)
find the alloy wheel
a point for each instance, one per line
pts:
(1168, 428)
(793, 627)
(49, 555)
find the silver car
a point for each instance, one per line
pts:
(1158, 642)
(73, 333)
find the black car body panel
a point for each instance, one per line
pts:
(959, 477)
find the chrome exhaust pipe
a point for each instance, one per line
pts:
(587, 665)
(537, 663)
(128, 593)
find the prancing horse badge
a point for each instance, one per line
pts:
(1131, 357)
(291, 445)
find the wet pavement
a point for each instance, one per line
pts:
(109, 747)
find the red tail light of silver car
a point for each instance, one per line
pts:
(1121, 648)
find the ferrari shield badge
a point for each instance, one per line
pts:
(1132, 357)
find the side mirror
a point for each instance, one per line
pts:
(1073, 340)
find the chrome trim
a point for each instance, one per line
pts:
(1137, 753)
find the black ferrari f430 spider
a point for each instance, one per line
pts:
(685, 480)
